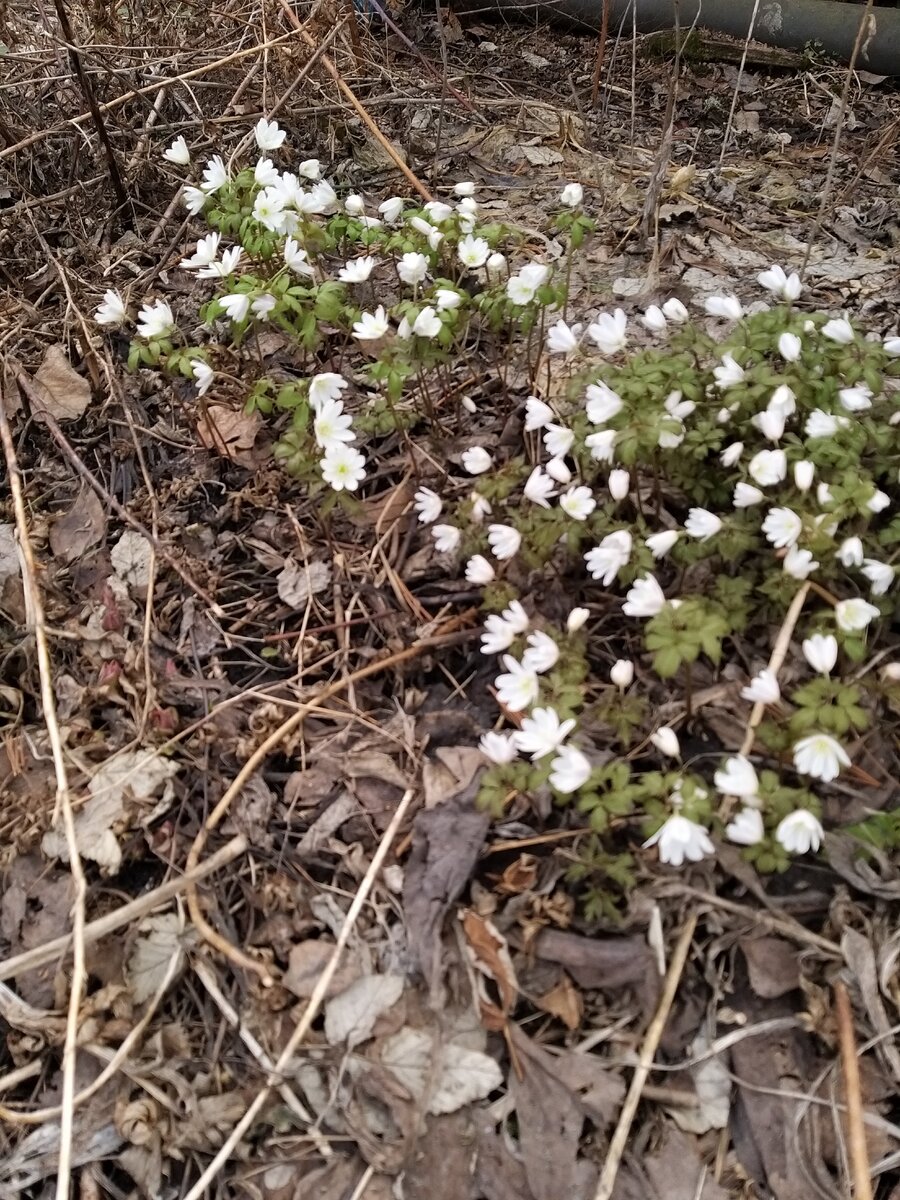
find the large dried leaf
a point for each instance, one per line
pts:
(60, 390)
(297, 581)
(131, 559)
(441, 1075)
(157, 953)
(351, 1017)
(130, 789)
(446, 843)
(80, 528)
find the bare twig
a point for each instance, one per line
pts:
(776, 662)
(132, 911)
(856, 1128)
(201, 1187)
(63, 807)
(619, 1139)
(601, 51)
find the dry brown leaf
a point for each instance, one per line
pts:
(564, 1001)
(230, 432)
(296, 581)
(131, 559)
(442, 1075)
(772, 966)
(489, 955)
(306, 962)
(62, 392)
(351, 1016)
(80, 528)
(157, 951)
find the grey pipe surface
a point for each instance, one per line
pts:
(789, 24)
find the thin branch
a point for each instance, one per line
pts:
(856, 1128)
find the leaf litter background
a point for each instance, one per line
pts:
(480, 1033)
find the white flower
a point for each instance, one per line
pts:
(427, 324)
(266, 173)
(404, 330)
(155, 321)
(762, 689)
(542, 653)
(476, 460)
(659, 544)
(472, 251)
(495, 265)
(665, 739)
(537, 414)
(602, 444)
(674, 311)
(745, 495)
(622, 673)
(519, 289)
(446, 538)
(236, 306)
(215, 175)
(679, 839)
(310, 168)
(354, 206)
(569, 771)
(557, 469)
(343, 467)
(618, 483)
(563, 338)
(504, 541)
(262, 306)
(269, 135)
(768, 467)
(878, 502)
(428, 505)
(112, 311)
(850, 552)
(558, 440)
(823, 494)
(783, 400)
(194, 199)
(178, 152)
(728, 307)
(572, 195)
(856, 399)
(747, 827)
(822, 424)
(839, 330)
(577, 503)
(820, 651)
(654, 319)
(800, 832)
(481, 507)
(785, 287)
(326, 386)
(331, 424)
(770, 423)
(448, 299)
(602, 403)
(737, 778)
(464, 188)
(892, 347)
(539, 488)
(804, 472)
(391, 209)
(542, 732)
(203, 376)
(799, 563)
(645, 598)
(821, 756)
(479, 571)
(515, 616)
(424, 227)
(518, 688)
(609, 332)
(268, 209)
(702, 524)
(371, 326)
(469, 404)
(731, 454)
(498, 747)
(438, 211)
(855, 614)
(879, 574)
(413, 268)
(221, 270)
(320, 199)
(606, 560)
(502, 629)
(296, 258)
(576, 619)
(357, 270)
(789, 347)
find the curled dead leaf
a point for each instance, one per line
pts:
(59, 389)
